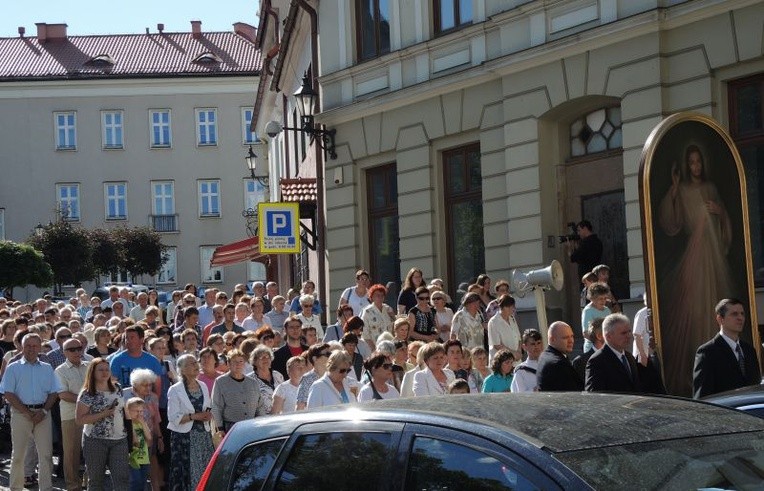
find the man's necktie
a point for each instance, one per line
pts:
(740, 358)
(626, 366)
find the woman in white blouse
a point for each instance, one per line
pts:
(434, 379)
(333, 388)
(503, 332)
(381, 369)
(308, 318)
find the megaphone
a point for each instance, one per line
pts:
(547, 278)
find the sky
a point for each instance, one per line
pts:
(124, 16)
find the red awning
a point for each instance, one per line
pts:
(237, 252)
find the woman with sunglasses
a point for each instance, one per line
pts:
(318, 355)
(333, 388)
(381, 370)
(422, 318)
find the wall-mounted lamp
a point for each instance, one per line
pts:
(39, 230)
(306, 103)
(251, 160)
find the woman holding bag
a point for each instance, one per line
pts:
(188, 412)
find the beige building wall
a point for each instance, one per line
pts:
(32, 166)
(514, 83)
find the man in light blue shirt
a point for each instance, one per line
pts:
(205, 311)
(31, 387)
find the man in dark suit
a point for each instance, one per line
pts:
(613, 368)
(594, 334)
(555, 372)
(292, 347)
(725, 362)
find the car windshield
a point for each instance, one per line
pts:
(733, 461)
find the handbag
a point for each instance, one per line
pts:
(217, 434)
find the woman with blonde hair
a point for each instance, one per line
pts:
(434, 378)
(333, 388)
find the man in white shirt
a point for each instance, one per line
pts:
(138, 313)
(71, 376)
(524, 379)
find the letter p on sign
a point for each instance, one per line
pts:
(279, 224)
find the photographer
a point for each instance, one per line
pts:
(587, 250)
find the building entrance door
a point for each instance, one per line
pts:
(593, 191)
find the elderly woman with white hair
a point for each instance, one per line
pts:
(188, 404)
(142, 385)
(308, 317)
(388, 349)
(261, 359)
(333, 388)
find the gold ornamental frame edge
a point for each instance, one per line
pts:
(646, 215)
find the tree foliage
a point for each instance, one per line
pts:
(69, 252)
(77, 254)
(141, 249)
(107, 251)
(21, 265)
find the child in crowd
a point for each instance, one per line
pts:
(458, 386)
(141, 441)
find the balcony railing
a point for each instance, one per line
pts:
(164, 223)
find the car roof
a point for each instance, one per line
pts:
(558, 422)
(738, 397)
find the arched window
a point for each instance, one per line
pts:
(596, 132)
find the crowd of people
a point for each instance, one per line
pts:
(147, 393)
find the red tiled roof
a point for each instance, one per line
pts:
(134, 55)
(299, 190)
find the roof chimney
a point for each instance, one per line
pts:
(160, 28)
(245, 30)
(196, 28)
(22, 30)
(50, 32)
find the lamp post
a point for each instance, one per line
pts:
(39, 230)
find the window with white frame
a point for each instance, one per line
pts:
(209, 198)
(163, 206)
(168, 272)
(209, 274)
(66, 130)
(256, 271)
(254, 193)
(2, 223)
(119, 276)
(161, 130)
(112, 130)
(68, 201)
(206, 126)
(163, 195)
(248, 136)
(115, 196)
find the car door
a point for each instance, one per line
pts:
(345, 455)
(445, 459)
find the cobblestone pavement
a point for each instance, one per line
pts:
(58, 481)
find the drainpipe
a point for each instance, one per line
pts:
(320, 224)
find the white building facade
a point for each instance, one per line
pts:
(148, 129)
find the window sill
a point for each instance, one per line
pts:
(201, 217)
(66, 149)
(160, 147)
(451, 30)
(116, 219)
(113, 147)
(198, 144)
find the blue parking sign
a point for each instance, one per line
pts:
(279, 228)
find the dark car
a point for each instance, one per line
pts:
(748, 399)
(549, 441)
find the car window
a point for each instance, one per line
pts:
(338, 461)
(445, 466)
(734, 461)
(254, 464)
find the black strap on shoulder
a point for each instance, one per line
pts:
(526, 368)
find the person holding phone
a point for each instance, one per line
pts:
(100, 409)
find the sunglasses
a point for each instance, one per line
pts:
(423, 298)
(321, 355)
(344, 371)
(73, 350)
(267, 337)
(189, 302)
(386, 366)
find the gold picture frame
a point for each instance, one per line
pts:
(696, 238)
